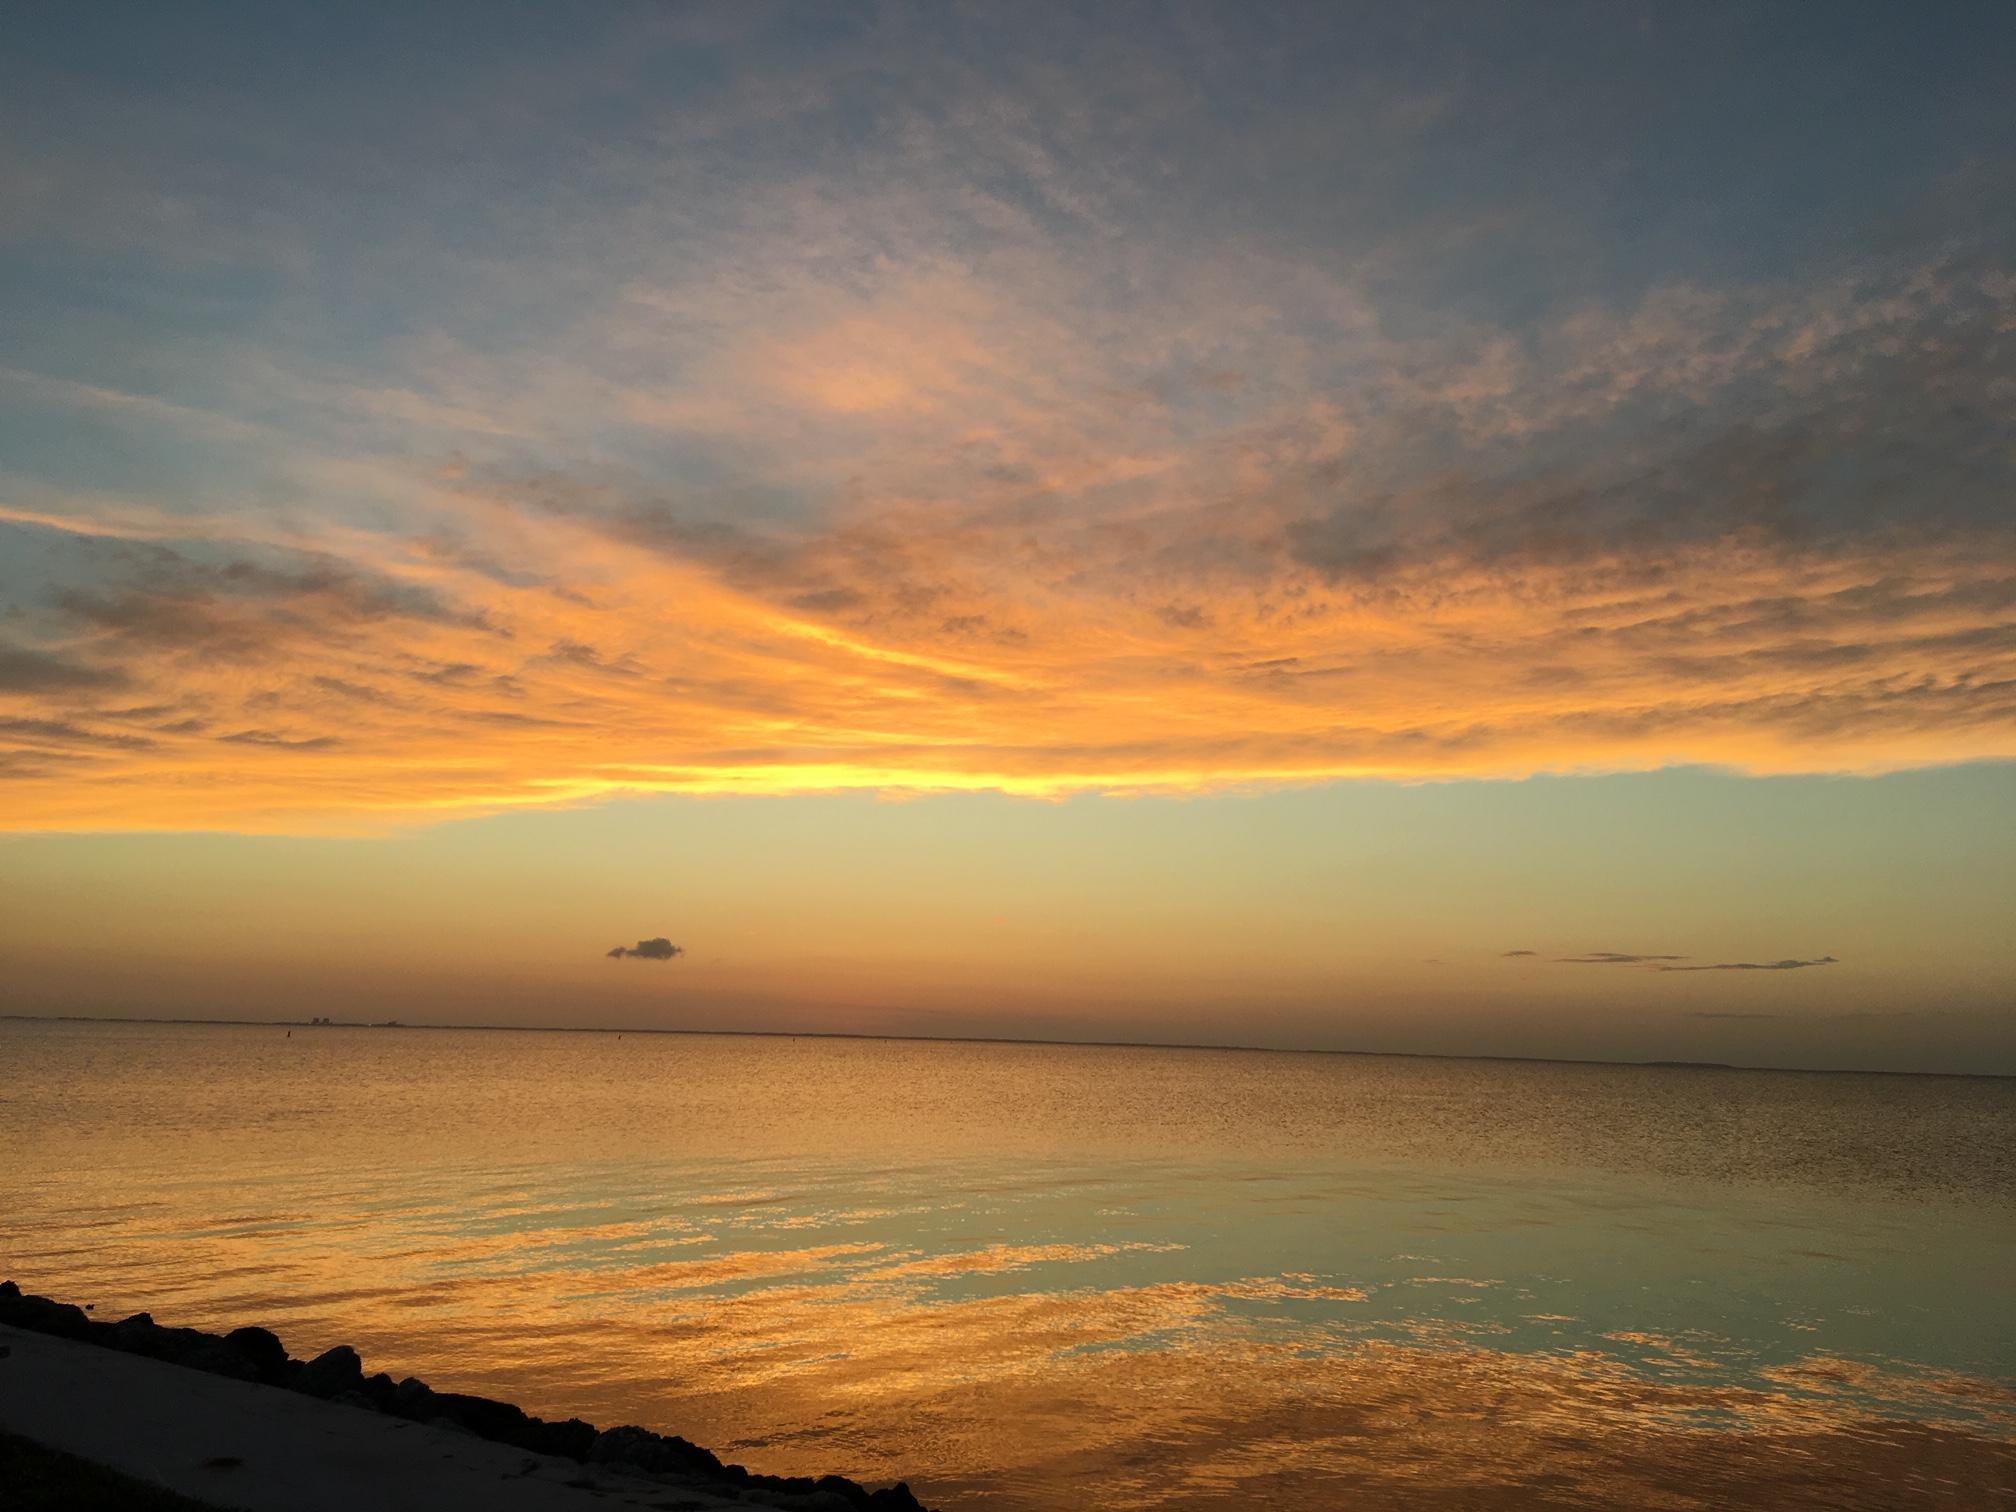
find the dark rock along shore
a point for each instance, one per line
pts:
(255, 1354)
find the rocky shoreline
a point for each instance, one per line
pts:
(337, 1375)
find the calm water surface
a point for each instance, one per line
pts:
(1046, 1277)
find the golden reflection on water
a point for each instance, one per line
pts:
(1115, 1304)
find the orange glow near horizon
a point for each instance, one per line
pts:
(392, 682)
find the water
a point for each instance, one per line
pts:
(1032, 1276)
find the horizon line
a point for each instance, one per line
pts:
(996, 1039)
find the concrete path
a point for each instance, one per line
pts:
(184, 1429)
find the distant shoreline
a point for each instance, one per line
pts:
(984, 1039)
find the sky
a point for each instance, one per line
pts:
(1460, 528)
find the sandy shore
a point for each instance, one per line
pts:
(219, 1433)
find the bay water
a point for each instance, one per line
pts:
(1027, 1276)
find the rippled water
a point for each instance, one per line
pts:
(1033, 1276)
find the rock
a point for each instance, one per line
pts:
(413, 1398)
(500, 1421)
(572, 1439)
(141, 1335)
(61, 1318)
(660, 1453)
(628, 1445)
(331, 1372)
(380, 1390)
(263, 1349)
(682, 1454)
(41, 1315)
(134, 1334)
(219, 1358)
(9, 1291)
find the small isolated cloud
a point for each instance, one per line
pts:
(660, 949)
(1617, 958)
(1785, 965)
(1508, 955)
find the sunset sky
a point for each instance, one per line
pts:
(1351, 526)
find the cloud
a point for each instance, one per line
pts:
(1788, 446)
(660, 949)
(916, 428)
(276, 741)
(1615, 958)
(1668, 962)
(1786, 965)
(26, 670)
(238, 607)
(1508, 955)
(63, 732)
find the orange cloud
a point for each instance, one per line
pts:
(947, 525)
(331, 693)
